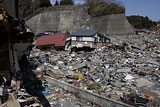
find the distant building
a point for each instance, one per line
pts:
(88, 38)
(158, 25)
(158, 31)
(57, 42)
(140, 32)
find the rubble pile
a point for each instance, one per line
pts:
(125, 70)
(61, 98)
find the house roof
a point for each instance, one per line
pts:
(158, 31)
(57, 40)
(40, 34)
(85, 33)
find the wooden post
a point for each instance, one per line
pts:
(16, 64)
(10, 49)
(10, 44)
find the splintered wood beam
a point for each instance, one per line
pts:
(12, 102)
(7, 25)
(5, 21)
(10, 48)
(16, 64)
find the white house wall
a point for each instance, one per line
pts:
(74, 38)
(88, 39)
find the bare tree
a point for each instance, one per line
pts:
(24, 5)
(45, 3)
(91, 3)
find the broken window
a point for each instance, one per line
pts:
(79, 38)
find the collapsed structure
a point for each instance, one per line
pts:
(56, 41)
(125, 69)
(88, 38)
(15, 41)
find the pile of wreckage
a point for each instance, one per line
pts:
(17, 89)
(124, 70)
(109, 70)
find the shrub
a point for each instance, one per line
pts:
(104, 8)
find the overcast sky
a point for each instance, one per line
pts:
(148, 8)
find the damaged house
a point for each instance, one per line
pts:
(57, 42)
(88, 38)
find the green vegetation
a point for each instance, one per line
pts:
(45, 3)
(56, 4)
(68, 33)
(133, 94)
(28, 11)
(66, 2)
(95, 86)
(96, 8)
(101, 8)
(140, 22)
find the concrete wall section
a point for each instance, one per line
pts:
(78, 18)
(112, 24)
(104, 102)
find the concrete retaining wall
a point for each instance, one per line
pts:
(104, 102)
(112, 24)
(77, 18)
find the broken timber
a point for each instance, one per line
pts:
(12, 102)
(13, 61)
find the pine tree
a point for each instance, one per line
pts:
(45, 3)
(66, 2)
(56, 4)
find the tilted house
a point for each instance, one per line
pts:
(88, 38)
(57, 41)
